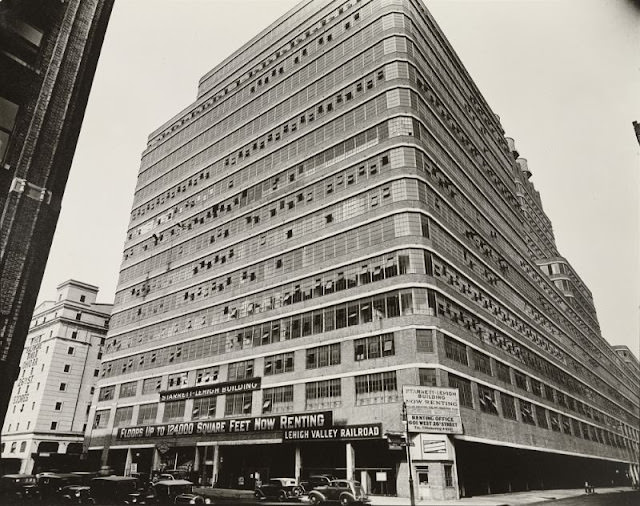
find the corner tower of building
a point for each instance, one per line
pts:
(339, 214)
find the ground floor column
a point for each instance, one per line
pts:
(155, 461)
(127, 463)
(298, 464)
(216, 465)
(351, 462)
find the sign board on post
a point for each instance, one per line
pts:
(432, 409)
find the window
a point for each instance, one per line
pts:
(508, 406)
(58, 406)
(207, 375)
(82, 298)
(107, 393)
(526, 412)
(423, 475)
(151, 385)
(464, 389)
(123, 416)
(536, 387)
(277, 364)
(14, 446)
(70, 350)
(424, 341)
(54, 425)
(147, 413)
(448, 475)
(128, 389)
(503, 372)
(74, 334)
(96, 372)
(373, 347)
(319, 393)
(173, 411)
(427, 377)
(240, 371)
(23, 446)
(278, 399)
(521, 380)
(63, 387)
(101, 419)
(67, 368)
(541, 416)
(555, 421)
(323, 356)
(238, 404)
(455, 351)
(204, 407)
(177, 380)
(487, 397)
(481, 362)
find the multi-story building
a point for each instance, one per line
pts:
(47, 417)
(339, 214)
(48, 56)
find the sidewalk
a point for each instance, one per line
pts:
(530, 497)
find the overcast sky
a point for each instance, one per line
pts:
(563, 75)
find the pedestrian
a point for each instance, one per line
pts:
(587, 489)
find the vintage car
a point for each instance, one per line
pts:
(77, 494)
(17, 487)
(343, 491)
(316, 480)
(168, 492)
(112, 489)
(51, 486)
(280, 489)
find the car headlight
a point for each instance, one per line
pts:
(192, 501)
(207, 501)
(78, 494)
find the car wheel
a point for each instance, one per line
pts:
(282, 496)
(345, 500)
(298, 491)
(257, 494)
(314, 500)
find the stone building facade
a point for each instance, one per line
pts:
(339, 214)
(49, 408)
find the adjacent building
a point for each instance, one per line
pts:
(48, 56)
(337, 215)
(49, 405)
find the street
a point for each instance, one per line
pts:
(613, 499)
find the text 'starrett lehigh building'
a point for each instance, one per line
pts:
(336, 216)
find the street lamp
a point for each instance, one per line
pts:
(405, 420)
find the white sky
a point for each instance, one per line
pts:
(562, 74)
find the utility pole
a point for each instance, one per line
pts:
(405, 419)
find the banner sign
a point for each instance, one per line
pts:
(432, 409)
(229, 426)
(229, 387)
(347, 432)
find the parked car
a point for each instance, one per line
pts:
(112, 489)
(168, 492)
(18, 487)
(51, 486)
(343, 491)
(77, 494)
(316, 480)
(280, 489)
